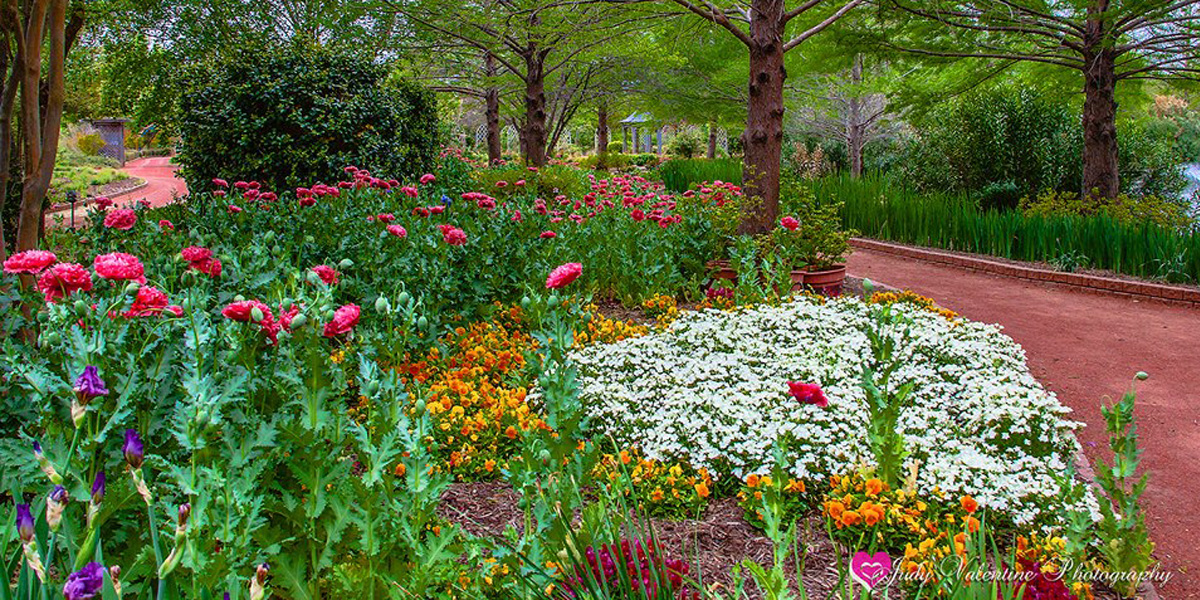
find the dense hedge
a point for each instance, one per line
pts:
(293, 115)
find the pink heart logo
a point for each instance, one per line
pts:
(870, 570)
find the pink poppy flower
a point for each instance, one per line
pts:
(563, 275)
(29, 261)
(790, 223)
(244, 311)
(221, 183)
(166, 225)
(151, 301)
(234, 209)
(808, 393)
(286, 316)
(546, 235)
(454, 236)
(195, 254)
(344, 320)
(62, 280)
(103, 202)
(427, 178)
(123, 219)
(397, 231)
(209, 266)
(328, 274)
(118, 266)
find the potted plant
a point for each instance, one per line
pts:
(724, 213)
(823, 244)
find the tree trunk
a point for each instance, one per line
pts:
(491, 100)
(856, 129)
(1101, 177)
(7, 103)
(602, 128)
(712, 141)
(534, 134)
(763, 138)
(40, 131)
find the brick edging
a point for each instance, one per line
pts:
(88, 202)
(1092, 283)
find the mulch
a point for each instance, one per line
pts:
(712, 546)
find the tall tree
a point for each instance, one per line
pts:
(39, 34)
(768, 30)
(530, 39)
(1106, 41)
(845, 109)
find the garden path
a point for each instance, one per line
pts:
(1086, 348)
(162, 185)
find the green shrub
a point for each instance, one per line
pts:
(1124, 208)
(289, 116)
(1008, 143)
(616, 147)
(686, 144)
(91, 144)
(644, 159)
(1006, 136)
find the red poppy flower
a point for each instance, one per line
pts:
(808, 393)
(29, 261)
(344, 320)
(62, 280)
(563, 275)
(118, 266)
(123, 219)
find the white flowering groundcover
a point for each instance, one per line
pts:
(712, 389)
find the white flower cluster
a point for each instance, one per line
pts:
(712, 389)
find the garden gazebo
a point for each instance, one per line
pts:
(646, 130)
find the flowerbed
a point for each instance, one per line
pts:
(711, 390)
(256, 393)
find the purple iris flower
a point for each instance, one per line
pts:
(89, 385)
(98, 488)
(85, 583)
(135, 452)
(25, 523)
(60, 494)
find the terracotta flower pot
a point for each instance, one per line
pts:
(798, 277)
(827, 282)
(720, 269)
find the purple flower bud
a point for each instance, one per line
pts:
(134, 451)
(261, 573)
(37, 450)
(85, 583)
(185, 510)
(226, 595)
(24, 523)
(60, 494)
(89, 385)
(98, 488)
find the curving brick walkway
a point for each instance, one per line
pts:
(162, 187)
(162, 184)
(1086, 348)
